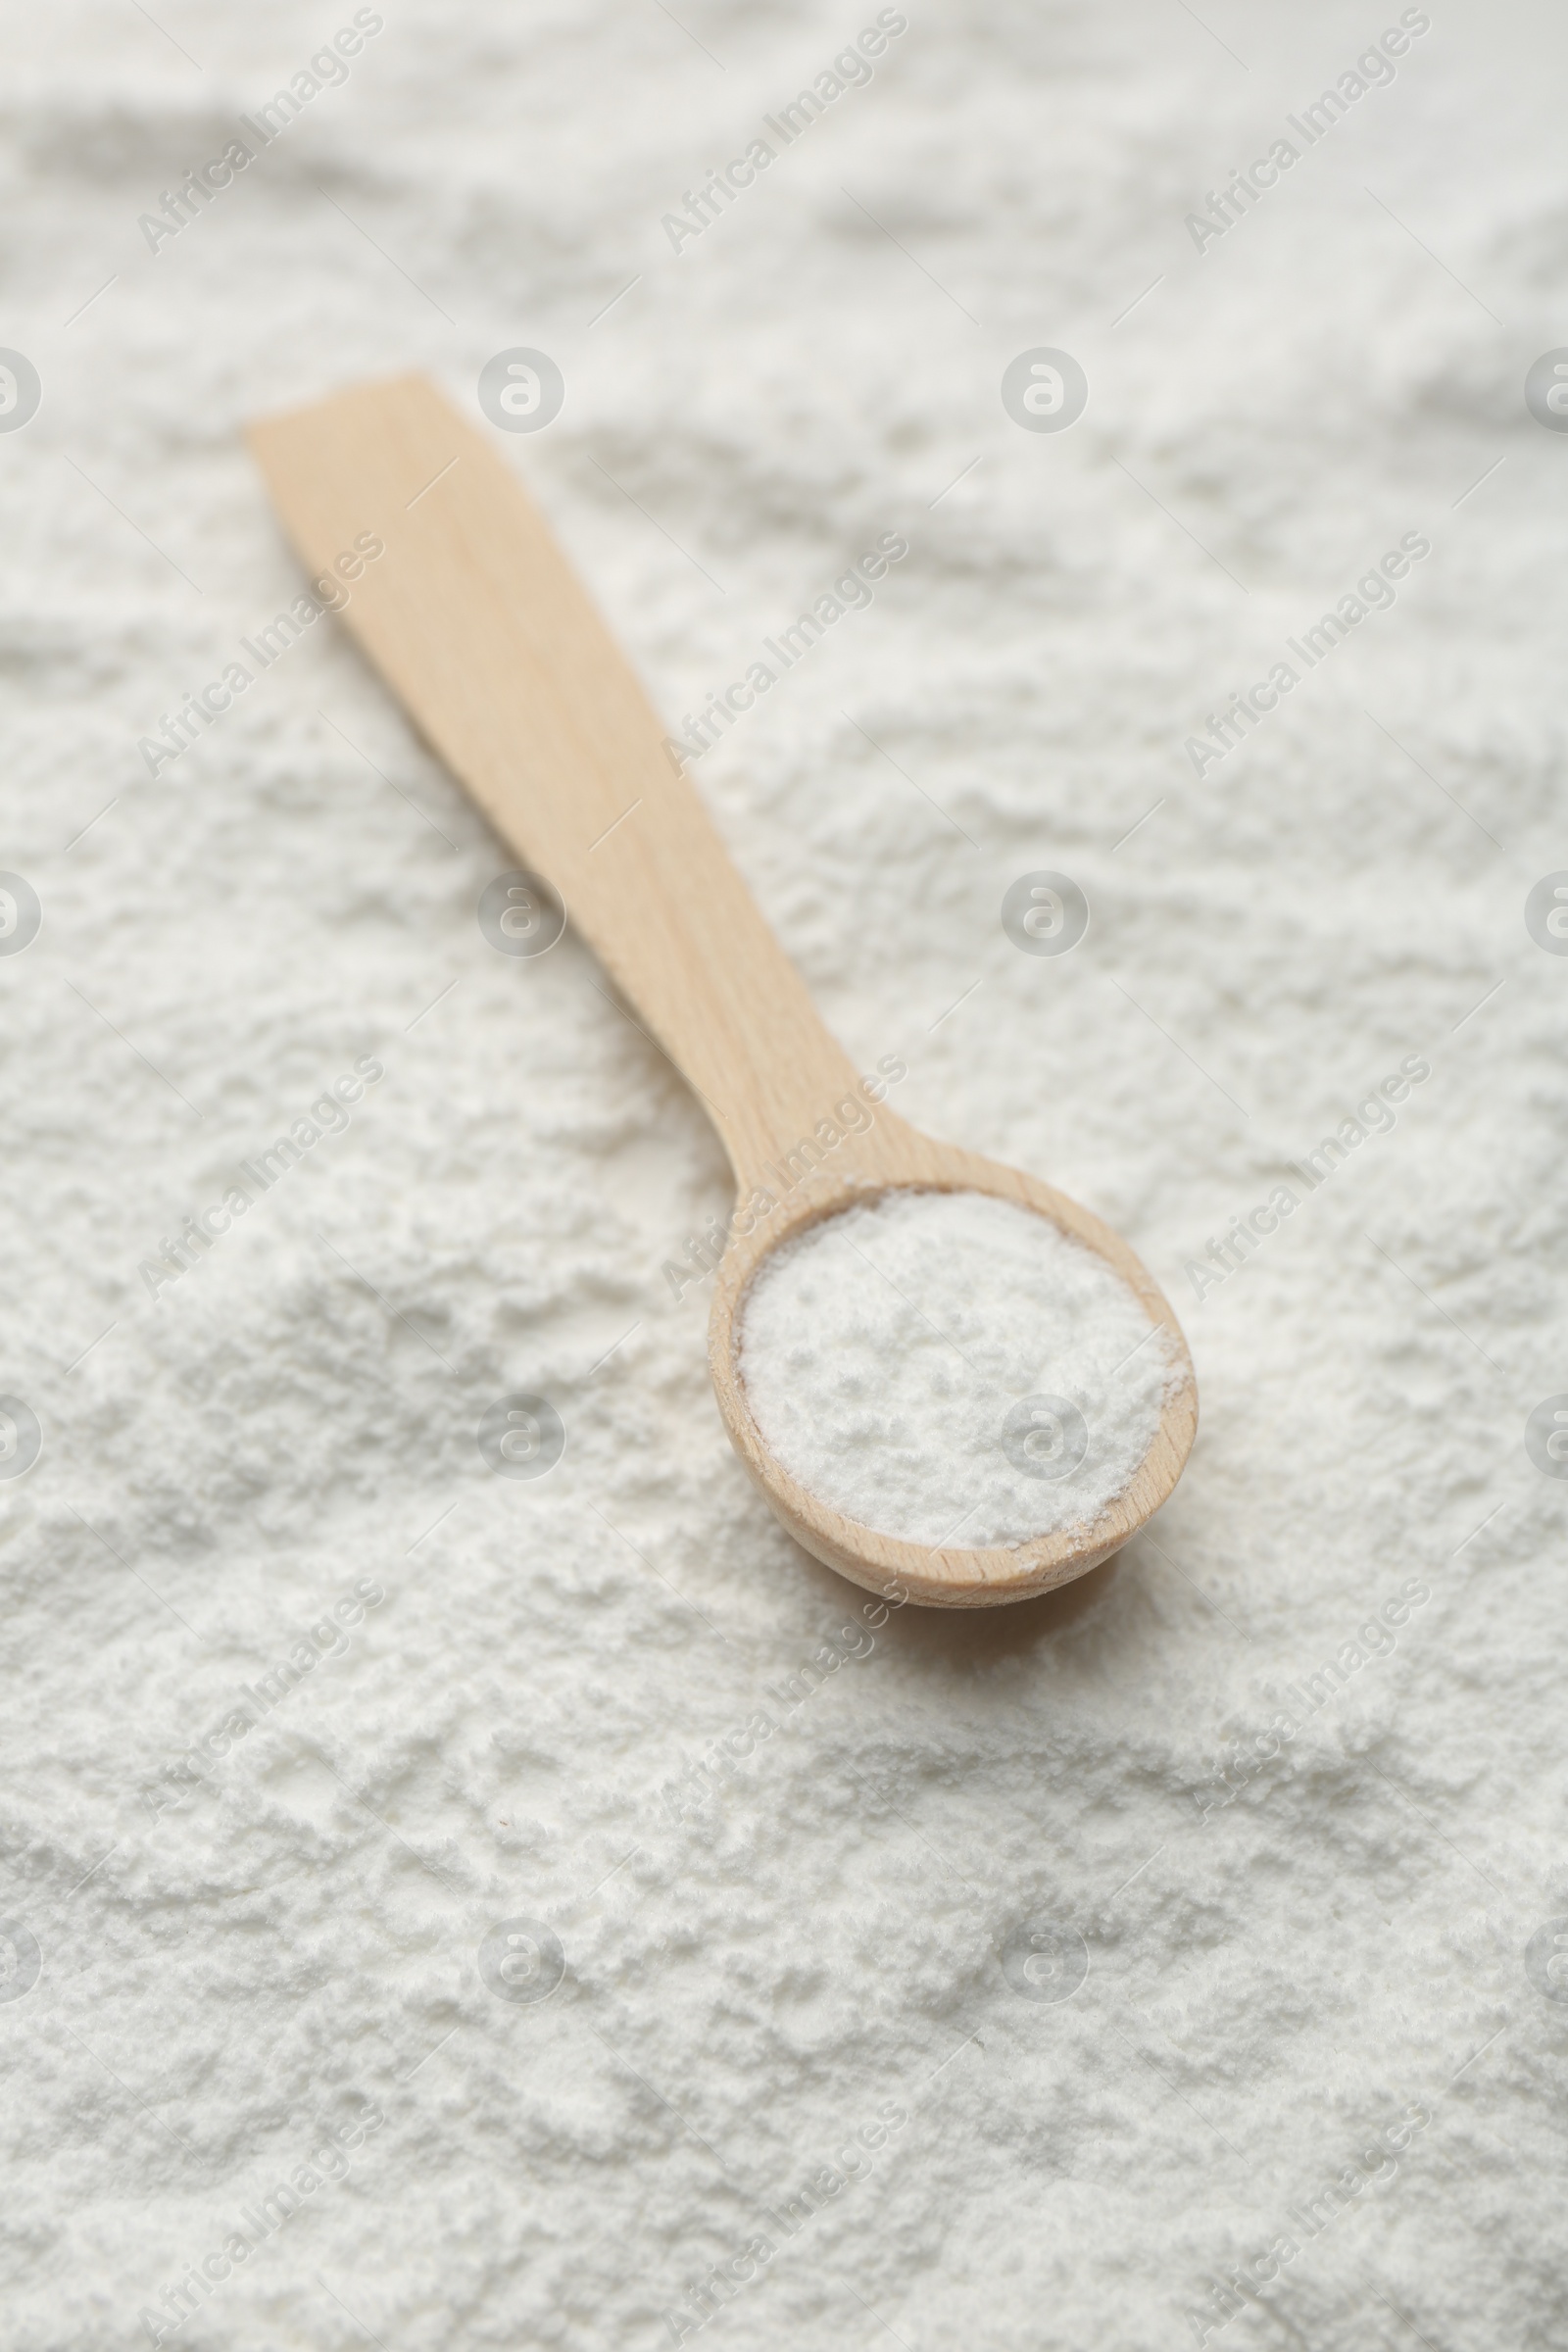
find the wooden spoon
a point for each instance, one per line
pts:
(481, 629)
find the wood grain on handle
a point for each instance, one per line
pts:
(485, 634)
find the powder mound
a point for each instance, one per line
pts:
(943, 1365)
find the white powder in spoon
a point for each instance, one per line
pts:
(945, 1364)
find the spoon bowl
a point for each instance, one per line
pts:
(474, 617)
(943, 1576)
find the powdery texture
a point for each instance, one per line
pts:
(784, 1849)
(890, 1356)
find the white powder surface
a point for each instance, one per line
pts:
(1016, 1978)
(949, 1366)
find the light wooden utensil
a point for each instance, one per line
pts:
(481, 629)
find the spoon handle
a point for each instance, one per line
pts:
(479, 625)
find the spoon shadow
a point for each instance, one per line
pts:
(974, 1638)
